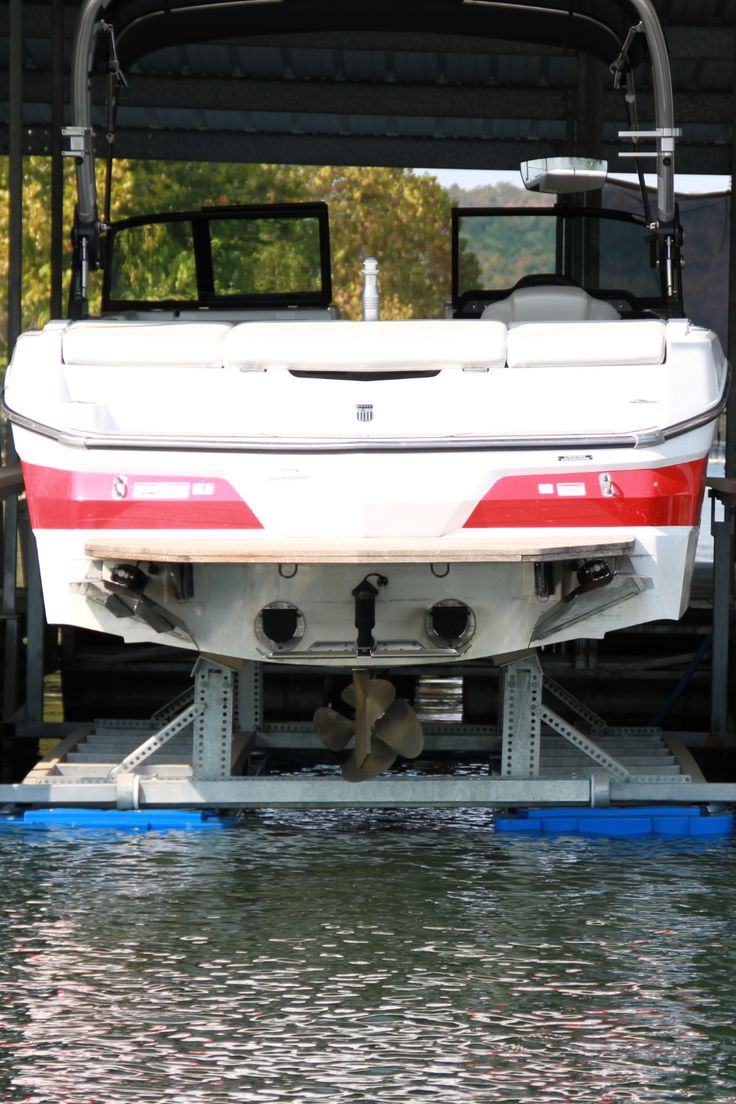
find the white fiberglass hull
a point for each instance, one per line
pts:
(221, 617)
(652, 562)
(267, 521)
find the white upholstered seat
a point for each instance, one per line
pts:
(549, 304)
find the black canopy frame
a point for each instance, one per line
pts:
(622, 33)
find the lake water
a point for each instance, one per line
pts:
(347, 957)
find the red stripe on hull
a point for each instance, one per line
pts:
(644, 496)
(87, 500)
(60, 499)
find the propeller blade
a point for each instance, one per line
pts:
(334, 730)
(363, 722)
(400, 729)
(380, 759)
(379, 693)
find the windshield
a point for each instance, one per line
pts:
(245, 256)
(494, 248)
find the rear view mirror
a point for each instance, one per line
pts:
(563, 175)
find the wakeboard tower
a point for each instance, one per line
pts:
(220, 463)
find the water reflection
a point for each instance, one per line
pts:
(364, 957)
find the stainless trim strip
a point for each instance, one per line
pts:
(164, 443)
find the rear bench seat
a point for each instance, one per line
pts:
(140, 344)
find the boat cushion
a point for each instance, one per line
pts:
(116, 344)
(555, 344)
(549, 304)
(413, 345)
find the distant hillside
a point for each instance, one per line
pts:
(496, 252)
(502, 194)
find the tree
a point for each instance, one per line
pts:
(36, 242)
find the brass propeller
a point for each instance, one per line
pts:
(379, 759)
(334, 730)
(400, 729)
(379, 693)
(383, 728)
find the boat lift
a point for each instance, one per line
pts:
(193, 752)
(210, 746)
(554, 750)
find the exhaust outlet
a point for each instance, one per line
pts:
(450, 624)
(279, 626)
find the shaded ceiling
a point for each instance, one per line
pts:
(435, 98)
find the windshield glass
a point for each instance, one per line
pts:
(496, 252)
(265, 256)
(495, 248)
(220, 257)
(155, 261)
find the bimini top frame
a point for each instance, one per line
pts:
(622, 33)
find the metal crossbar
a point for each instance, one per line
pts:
(153, 743)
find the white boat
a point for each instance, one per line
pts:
(229, 467)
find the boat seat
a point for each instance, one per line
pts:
(403, 345)
(113, 344)
(549, 304)
(596, 343)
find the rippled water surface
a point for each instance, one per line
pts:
(364, 957)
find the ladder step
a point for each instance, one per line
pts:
(632, 743)
(126, 746)
(559, 757)
(565, 771)
(101, 770)
(114, 757)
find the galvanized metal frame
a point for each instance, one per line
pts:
(212, 741)
(521, 717)
(248, 711)
(523, 713)
(211, 714)
(299, 791)
(153, 743)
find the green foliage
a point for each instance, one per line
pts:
(36, 242)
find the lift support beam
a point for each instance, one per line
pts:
(406, 792)
(224, 710)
